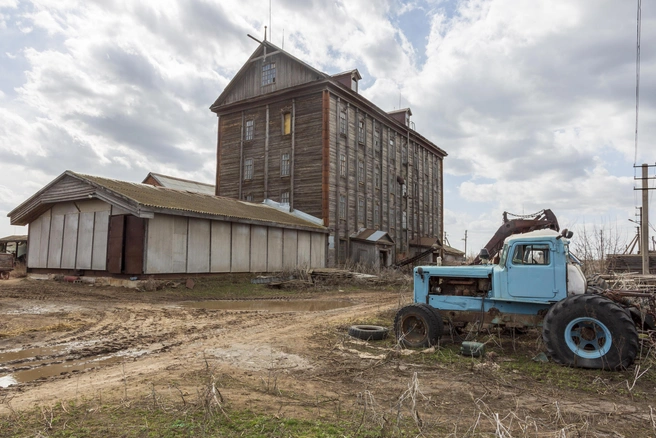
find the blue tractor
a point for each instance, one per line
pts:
(534, 282)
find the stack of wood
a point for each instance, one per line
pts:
(629, 263)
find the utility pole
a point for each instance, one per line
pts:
(644, 220)
(465, 239)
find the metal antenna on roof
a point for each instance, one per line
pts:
(265, 29)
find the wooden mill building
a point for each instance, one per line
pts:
(291, 133)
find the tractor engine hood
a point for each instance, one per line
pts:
(472, 271)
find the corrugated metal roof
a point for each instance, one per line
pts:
(171, 199)
(372, 235)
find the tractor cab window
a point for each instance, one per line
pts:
(504, 256)
(531, 255)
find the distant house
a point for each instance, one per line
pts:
(98, 226)
(372, 248)
(291, 133)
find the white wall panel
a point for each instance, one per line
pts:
(318, 250)
(55, 242)
(45, 239)
(221, 246)
(304, 248)
(289, 249)
(100, 231)
(84, 241)
(180, 230)
(258, 249)
(241, 247)
(199, 245)
(274, 250)
(69, 246)
(36, 248)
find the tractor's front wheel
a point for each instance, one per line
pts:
(590, 331)
(418, 325)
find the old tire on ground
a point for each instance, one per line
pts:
(590, 331)
(418, 325)
(368, 332)
(4, 275)
(596, 284)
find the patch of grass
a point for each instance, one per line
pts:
(141, 420)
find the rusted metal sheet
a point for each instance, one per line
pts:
(115, 244)
(133, 250)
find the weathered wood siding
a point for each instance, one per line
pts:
(289, 73)
(189, 245)
(71, 235)
(266, 149)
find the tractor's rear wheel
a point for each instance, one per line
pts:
(590, 331)
(417, 326)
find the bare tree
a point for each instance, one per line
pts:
(592, 243)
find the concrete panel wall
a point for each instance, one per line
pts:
(241, 245)
(179, 240)
(318, 257)
(221, 246)
(304, 249)
(69, 246)
(289, 249)
(259, 249)
(84, 241)
(199, 245)
(167, 245)
(55, 241)
(274, 250)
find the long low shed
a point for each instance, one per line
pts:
(99, 225)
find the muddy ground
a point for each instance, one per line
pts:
(63, 341)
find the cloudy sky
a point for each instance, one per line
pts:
(534, 101)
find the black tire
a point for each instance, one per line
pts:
(368, 332)
(596, 284)
(418, 326)
(590, 331)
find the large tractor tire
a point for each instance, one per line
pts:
(418, 326)
(590, 331)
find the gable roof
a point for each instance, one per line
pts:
(373, 236)
(172, 182)
(259, 52)
(145, 200)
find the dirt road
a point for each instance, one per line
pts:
(61, 341)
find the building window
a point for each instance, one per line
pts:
(268, 73)
(287, 123)
(284, 198)
(342, 250)
(425, 164)
(404, 221)
(361, 131)
(361, 209)
(404, 155)
(248, 198)
(392, 150)
(416, 191)
(342, 122)
(342, 207)
(377, 141)
(377, 178)
(342, 165)
(361, 172)
(376, 214)
(284, 164)
(248, 168)
(250, 127)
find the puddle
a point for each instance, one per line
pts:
(64, 368)
(275, 306)
(29, 352)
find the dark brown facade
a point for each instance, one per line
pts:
(293, 134)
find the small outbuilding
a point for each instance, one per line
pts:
(98, 226)
(373, 248)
